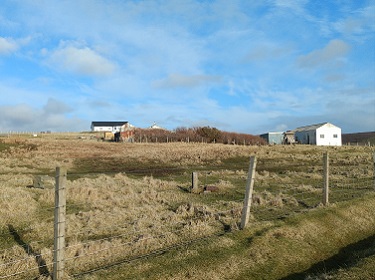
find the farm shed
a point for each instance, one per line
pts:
(322, 134)
(109, 126)
(273, 137)
(288, 137)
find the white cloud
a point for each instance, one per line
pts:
(334, 78)
(82, 61)
(281, 127)
(231, 88)
(7, 46)
(267, 51)
(54, 106)
(333, 51)
(343, 108)
(186, 81)
(359, 22)
(294, 5)
(17, 115)
(193, 113)
(23, 117)
(174, 57)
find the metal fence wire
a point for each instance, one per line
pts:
(97, 236)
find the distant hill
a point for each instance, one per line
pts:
(361, 138)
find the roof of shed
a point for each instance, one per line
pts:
(271, 133)
(313, 126)
(109, 123)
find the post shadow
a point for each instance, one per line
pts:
(346, 257)
(42, 266)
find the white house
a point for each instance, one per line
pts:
(110, 126)
(322, 134)
(155, 126)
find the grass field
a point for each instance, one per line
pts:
(130, 213)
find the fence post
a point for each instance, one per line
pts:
(194, 182)
(325, 179)
(374, 169)
(59, 224)
(249, 192)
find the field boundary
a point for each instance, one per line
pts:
(251, 211)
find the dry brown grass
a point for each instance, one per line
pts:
(114, 216)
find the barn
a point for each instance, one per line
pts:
(273, 137)
(109, 126)
(322, 134)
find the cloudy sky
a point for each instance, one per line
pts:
(241, 66)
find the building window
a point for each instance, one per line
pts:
(334, 135)
(322, 136)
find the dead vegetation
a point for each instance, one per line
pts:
(127, 200)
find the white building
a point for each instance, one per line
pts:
(322, 134)
(155, 126)
(113, 127)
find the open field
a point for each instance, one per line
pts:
(130, 204)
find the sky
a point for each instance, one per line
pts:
(240, 66)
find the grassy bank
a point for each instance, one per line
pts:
(296, 248)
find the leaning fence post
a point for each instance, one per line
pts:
(325, 178)
(59, 224)
(194, 182)
(249, 192)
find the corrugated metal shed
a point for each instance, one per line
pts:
(310, 127)
(321, 134)
(273, 137)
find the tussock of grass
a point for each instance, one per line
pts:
(127, 200)
(266, 252)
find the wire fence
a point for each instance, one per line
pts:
(121, 221)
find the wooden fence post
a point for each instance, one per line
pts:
(374, 169)
(249, 192)
(59, 224)
(325, 179)
(194, 182)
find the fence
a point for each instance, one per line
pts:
(84, 228)
(325, 181)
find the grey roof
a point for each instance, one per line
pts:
(109, 123)
(312, 127)
(272, 133)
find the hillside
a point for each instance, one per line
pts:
(361, 138)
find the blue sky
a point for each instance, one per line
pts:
(241, 66)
